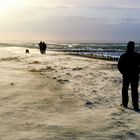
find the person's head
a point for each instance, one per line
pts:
(130, 46)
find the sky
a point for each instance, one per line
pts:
(70, 20)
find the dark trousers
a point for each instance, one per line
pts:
(133, 81)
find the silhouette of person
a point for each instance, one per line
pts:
(40, 46)
(128, 65)
(44, 46)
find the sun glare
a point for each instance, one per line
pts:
(7, 4)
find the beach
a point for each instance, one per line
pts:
(62, 97)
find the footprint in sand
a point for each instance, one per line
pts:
(63, 81)
(77, 68)
(132, 136)
(12, 84)
(89, 104)
(35, 62)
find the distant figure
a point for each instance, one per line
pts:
(128, 66)
(27, 51)
(42, 47)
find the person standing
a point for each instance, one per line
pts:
(44, 46)
(128, 65)
(40, 46)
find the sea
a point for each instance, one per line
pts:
(112, 50)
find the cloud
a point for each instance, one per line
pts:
(111, 7)
(81, 19)
(120, 7)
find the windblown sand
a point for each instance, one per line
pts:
(62, 97)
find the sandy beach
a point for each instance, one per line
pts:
(62, 97)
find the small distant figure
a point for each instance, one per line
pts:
(42, 47)
(27, 51)
(128, 65)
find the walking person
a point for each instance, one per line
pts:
(44, 46)
(128, 65)
(40, 46)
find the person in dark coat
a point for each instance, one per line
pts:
(40, 46)
(44, 46)
(128, 65)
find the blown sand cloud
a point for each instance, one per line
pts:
(61, 97)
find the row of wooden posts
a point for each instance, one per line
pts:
(97, 56)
